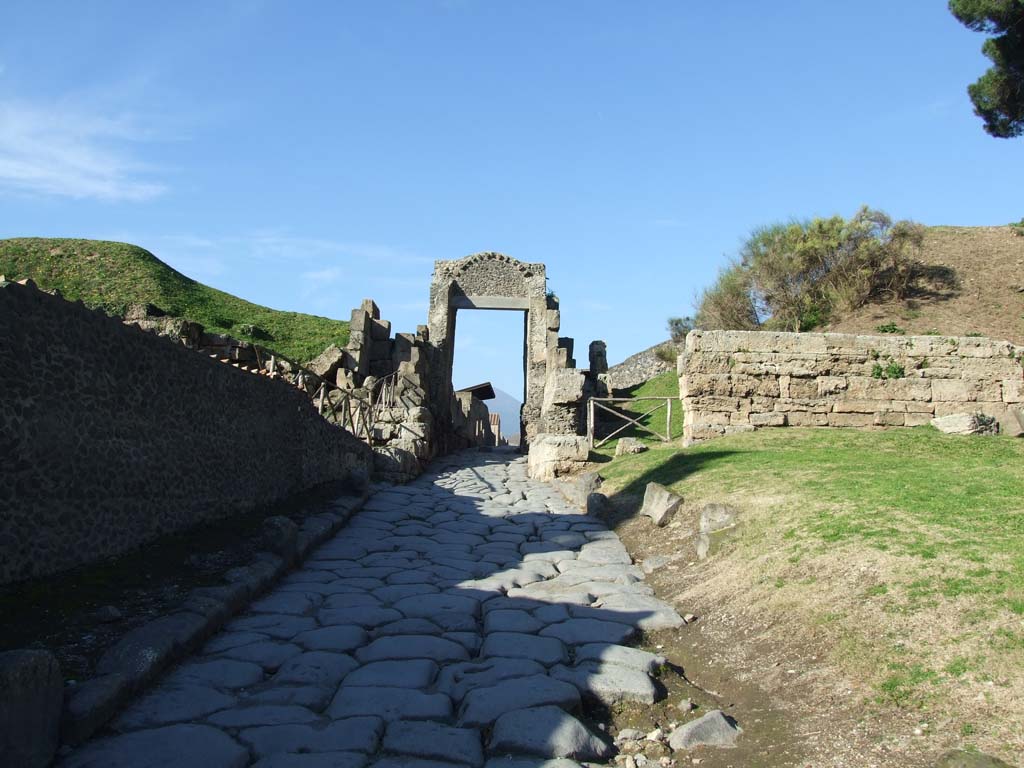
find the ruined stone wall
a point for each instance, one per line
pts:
(111, 436)
(641, 367)
(738, 381)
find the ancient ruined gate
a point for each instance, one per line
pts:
(498, 282)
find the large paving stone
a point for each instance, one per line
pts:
(217, 673)
(511, 621)
(608, 683)
(367, 616)
(170, 704)
(315, 668)
(339, 639)
(609, 653)
(294, 603)
(546, 732)
(274, 625)
(412, 647)
(407, 673)
(269, 654)
(482, 706)
(514, 645)
(176, 746)
(435, 741)
(248, 716)
(582, 631)
(314, 760)
(425, 606)
(356, 734)
(458, 679)
(390, 704)
(312, 697)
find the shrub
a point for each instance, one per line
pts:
(667, 353)
(890, 328)
(892, 370)
(678, 327)
(729, 302)
(796, 276)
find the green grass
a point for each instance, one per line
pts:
(112, 276)
(663, 385)
(945, 512)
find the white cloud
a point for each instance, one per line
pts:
(62, 151)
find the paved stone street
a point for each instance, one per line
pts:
(455, 621)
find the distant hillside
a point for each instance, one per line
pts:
(113, 276)
(973, 284)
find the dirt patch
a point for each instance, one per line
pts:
(974, 284)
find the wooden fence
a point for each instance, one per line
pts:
(606, 405)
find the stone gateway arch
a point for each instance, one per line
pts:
(554, 389)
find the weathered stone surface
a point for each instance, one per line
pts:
(198, 414)
(172, 703)
(608, 654)
(356, 734)
(733, 381)
(609, 683)
(629, 445)
(660, 503)
(407, 673)
(482, 706)
(554, 455)
(435, 741)
(714, 729)
(176, 746)
(966, 424)
(90, 704)
(31, 696)
(516, 645)
(716, 517)
(546, 732)
(141, 653)
(390, 704)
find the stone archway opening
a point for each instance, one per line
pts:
(554, 391)
(490, 348)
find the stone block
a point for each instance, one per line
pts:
(849, 405)
(629, 445)
(660, 504)
(563, 386)
(380, 330)
(554, 455)
(851, 419)
(831, 385)
(370, 308)
(952, 390)
(327, 362)
(31, 697)
(966, 424)
(554, 319)
(801, 387)
(917, 419)
(773, 419)
(806, 419)
(1013, 390)
(890, 419)
(598, 357)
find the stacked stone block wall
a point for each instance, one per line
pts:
(738, 381)
(111, 436)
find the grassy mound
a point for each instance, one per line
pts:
(898, 552)
(112, 276)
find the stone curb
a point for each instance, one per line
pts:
(138, 658)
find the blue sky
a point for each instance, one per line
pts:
(307, 155)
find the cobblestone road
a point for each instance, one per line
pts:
(455, 621)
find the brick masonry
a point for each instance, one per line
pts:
(111, 436)
(738, 381)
